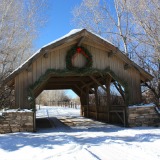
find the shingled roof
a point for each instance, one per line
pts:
(73, 34)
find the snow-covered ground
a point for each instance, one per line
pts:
(92, 141)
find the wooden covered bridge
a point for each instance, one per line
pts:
(81, 61)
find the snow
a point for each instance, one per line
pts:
(142, 105)
(102, 38)
(74, 31)
(16, 110)
(25, 62)
(96, 142)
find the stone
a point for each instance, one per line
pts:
(14, 125)
(22, 129)
(7, 130)
(10, 114)
(140, 112)
(16, 121)
(30, 129)
(5, 125)
(18, 117)
(131, 120)
(24, 119)
(142, 117)
(133, 115)
(28, 124)
(144, 125)
(139, 120)
(145, 116)
(30, 118)
(15, 129)
(138, 124)
(29, 113)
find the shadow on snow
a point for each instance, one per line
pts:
(48, 138)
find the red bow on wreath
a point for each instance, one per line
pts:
(80, 51)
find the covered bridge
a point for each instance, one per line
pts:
(81, 61)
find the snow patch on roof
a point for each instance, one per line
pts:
(142, 105)
(102, 38)
(72, 32)
(25, 61)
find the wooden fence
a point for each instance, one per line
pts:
(63, 104)
(115, 115)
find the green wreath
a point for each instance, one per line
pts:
(72, 53)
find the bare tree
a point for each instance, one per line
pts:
(112, 22)
(19, 23)
(98, 16)
(47, 97)
(133, 26)
(146, 14)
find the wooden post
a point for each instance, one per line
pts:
(96, 98)
(108, 82)
(83, 103)
(87, 101)
(34, 121)
(75, 105)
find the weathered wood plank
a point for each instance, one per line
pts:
(96, 81)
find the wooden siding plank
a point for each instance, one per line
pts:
(53, 64)
(39, 68)
(34, 72)
(21, 88)
(17, 91)
(62, 57)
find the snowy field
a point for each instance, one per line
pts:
(91, 141)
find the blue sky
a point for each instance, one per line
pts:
(59, 23)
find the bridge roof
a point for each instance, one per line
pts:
(77, 34)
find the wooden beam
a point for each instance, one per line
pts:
(111, 54)
(76, 91)
(29, 68)
(96, 81)
(39, 89)
(11, 83)
(90, 83)
(87, 101)
(87, 84)
(69, 79)
(62, 83)
(108, 83)
(96, 98)
(56, 87)
(45, 55)
(81, 90)
(117, 112)
(126, 66)
(81, 40)
(91, 90)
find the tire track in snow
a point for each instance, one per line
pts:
(92, 154)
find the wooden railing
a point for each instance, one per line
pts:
(100, 112)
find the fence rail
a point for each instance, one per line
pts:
(63, 104)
